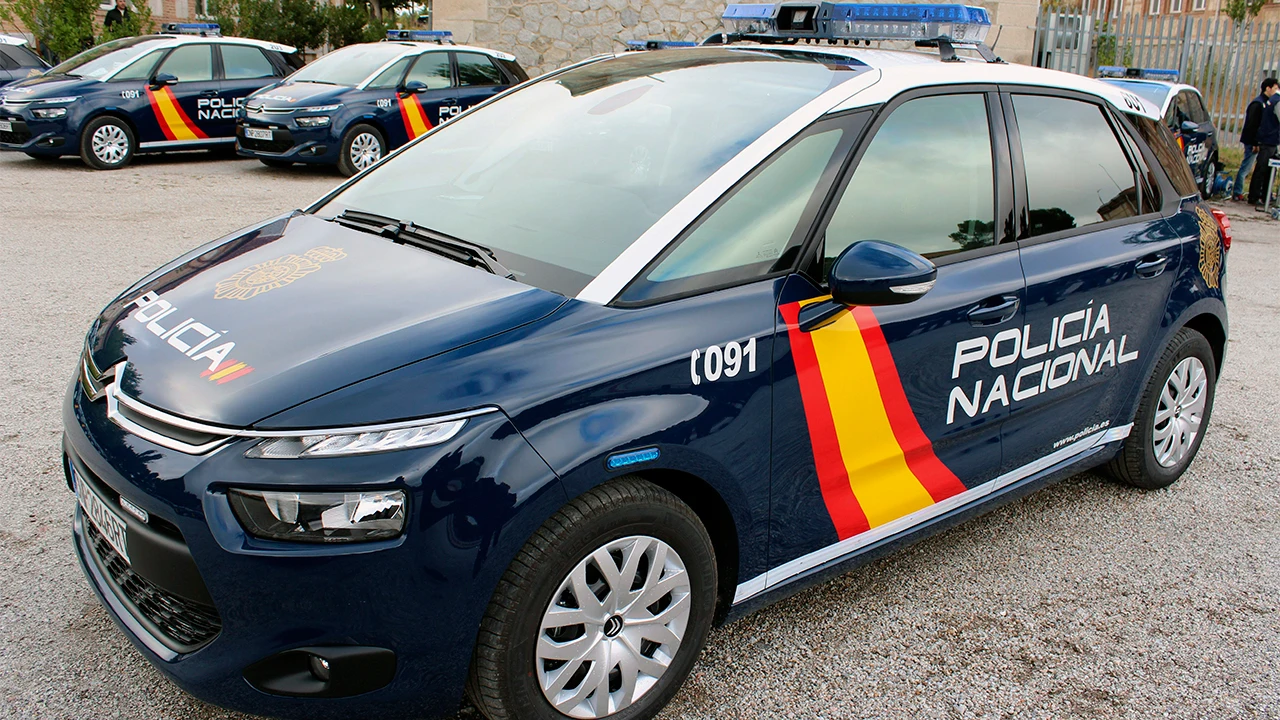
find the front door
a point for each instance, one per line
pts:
(421, 111)
(1100, 263)
(885, 417)
(176, 107)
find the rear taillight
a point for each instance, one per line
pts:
(1224, 222)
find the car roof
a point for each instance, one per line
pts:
(421, 47)
(902, 70)
(11, 40)
(176, 40)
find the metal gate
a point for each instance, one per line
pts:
(1226, 61)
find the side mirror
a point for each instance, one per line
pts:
(413, 87)
(1189, 127)
(871, 272)
(162, 79)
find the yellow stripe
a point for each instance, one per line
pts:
(878, 473)
(417, 117)
(228, 371)
(172, 118)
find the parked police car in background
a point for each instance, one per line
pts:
(148, 93)
(645, 343)
(17, 61)
(1183, 111)
(354, 105)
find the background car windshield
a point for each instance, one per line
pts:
(350, 65)
(1154, 93)
(559, 178)
(105, 59)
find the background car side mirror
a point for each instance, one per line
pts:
(412, 87)
(162, 79)
(1190, 127)
(871, 272)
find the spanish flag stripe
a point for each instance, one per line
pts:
(415, 118)
(175, 123)
(936, 477)
(155, 108)
(833, 478)
(186, 119)
(238, 373)
(228, 371)
(223, 366)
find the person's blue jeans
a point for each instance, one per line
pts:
(1246, 165)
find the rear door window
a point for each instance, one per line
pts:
(241, 62)
(1165, 148)
(477, 69)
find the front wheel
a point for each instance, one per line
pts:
(603, 612)
(1172, 417)
(107, 143)
(362, 146)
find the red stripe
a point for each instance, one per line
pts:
(155, 109)
(936, 477)
(242, 371)
(225, 364)
(833, 477)
(183, 114)
(404, 115)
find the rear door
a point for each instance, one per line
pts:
(479, 78)
(245, 70)
(1099, 261)
(177, 108)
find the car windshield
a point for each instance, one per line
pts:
(562, 176)
(350, 65)
(102, 61)
(1154, 93)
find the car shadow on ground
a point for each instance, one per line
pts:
(73, 162)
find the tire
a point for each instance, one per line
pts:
(278, 164)
(107, 143)
(362, 146)
(1160, 447)
(510, 665)
(1210, 176)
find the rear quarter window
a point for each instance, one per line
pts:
(1165, 148)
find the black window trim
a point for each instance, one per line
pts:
(1170, 199)
(1000, 154)
(855, 122)
(1020, 175)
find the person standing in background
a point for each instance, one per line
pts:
(1261, 118)
(119, 13)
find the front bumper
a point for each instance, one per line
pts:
(35, 137)
(288, 143)
(420, 596)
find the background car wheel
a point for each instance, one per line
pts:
(1172, 417)
(276, 163)
(1210, 177)
(362, 146)
(603, 612)
(107, 143)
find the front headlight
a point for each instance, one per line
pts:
(312, 121)
(356, 443)
(49, 113)
(320, 517)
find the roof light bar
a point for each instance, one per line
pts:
(1133, 73)
(201, 29)
(859, 21)
(658, 44)
(439, 37)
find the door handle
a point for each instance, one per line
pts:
(1151, 265)
(994, 310)
(208, 93)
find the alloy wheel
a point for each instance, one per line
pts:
(1180, 412)
(366, 150)
(110, 144)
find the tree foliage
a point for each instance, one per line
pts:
(139, 22)
(1241, 10)
(65, 27)
(300, 23)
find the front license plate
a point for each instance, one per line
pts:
(256, 134)
(99, 512)
(6, 126)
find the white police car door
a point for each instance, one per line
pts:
(1099, 262)
(886, 416)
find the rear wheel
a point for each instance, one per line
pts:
(603, 612)
(1210, 177)
(107, 143)
(1173, 415)
(278, 164)
(362, 146)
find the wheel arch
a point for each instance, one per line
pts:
(111, 112)
(1210, 326)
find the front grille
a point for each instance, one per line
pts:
(187, 624)
(281, 142)
(19, 135)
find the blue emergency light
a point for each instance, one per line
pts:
(201, 29)
(1132, 73)
(659, 44)
(439, 37)
(859, 21)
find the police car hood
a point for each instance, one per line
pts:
(44, 86)
(298, 94)
(292, 310)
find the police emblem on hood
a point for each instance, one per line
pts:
(267, 276)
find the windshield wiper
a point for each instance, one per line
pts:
(407, 233)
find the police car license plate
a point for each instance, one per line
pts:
(6, 126)
(99, 512)
(256, 134)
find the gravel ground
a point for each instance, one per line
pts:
(1084, 600)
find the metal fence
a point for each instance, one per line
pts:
(1227, 62)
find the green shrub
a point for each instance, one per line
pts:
(63, 26)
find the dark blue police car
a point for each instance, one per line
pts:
(644, 344)
(1183, 110)
(354, 105)
(150, 93)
